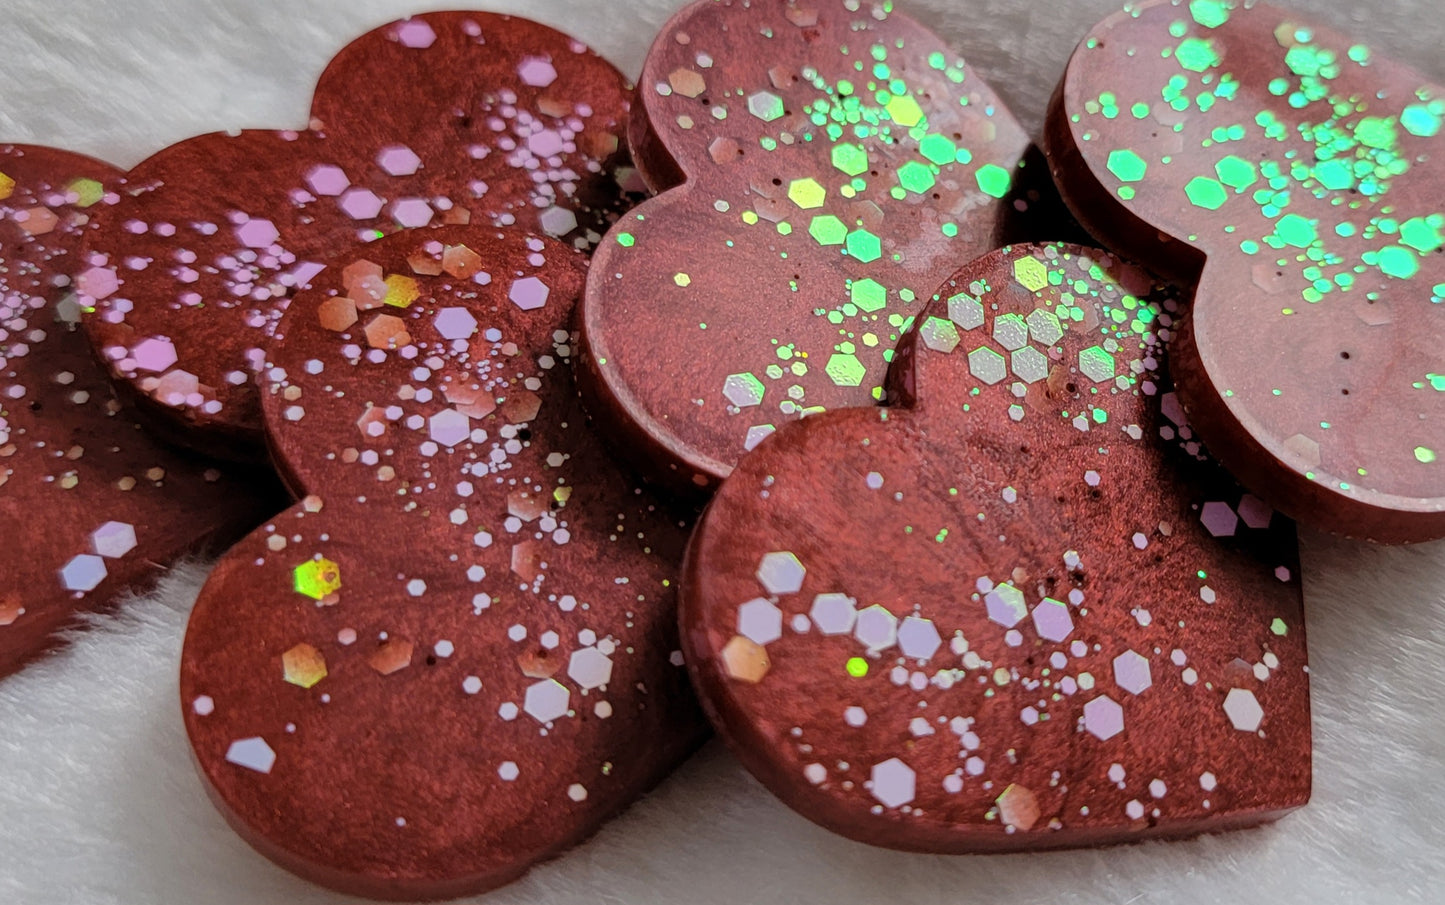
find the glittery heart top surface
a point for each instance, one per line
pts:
(1023, 610)
(836, 161)
(457, 655)
(444, 118)
(1296, 175)
(89, 505)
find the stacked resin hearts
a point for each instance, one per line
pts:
(969, 579)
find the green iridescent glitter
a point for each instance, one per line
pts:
(1206, 193)
(857, 667)
(869, 295)
(993, 180)
(828, 230)
(1127, 165)
(864, 246)
(1424, 454)
(626, 240)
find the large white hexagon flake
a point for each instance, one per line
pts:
(918, 638)
(834, 614)
(450, 427)
(1103, 718)
(1243, 710)
(876, 628)
(893, 783)
(781, 573)
(589, 668)
(760, 621)
(1131, 672)
(1005, 605)
(547, 701)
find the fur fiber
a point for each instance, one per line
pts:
(98, 800)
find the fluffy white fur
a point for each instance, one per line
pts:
(98, 801)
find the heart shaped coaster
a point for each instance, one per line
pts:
(442, 118)
(839, 160)
(90, 505)
(457, 655)
(1024, 610)
(1294, 174)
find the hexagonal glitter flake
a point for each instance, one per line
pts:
(1131, 672)
(876, 628)
(1044, 327)
(97, 282)
(387, 331)
(966, 311)
(252, 753)
(745, 660)
(303, 665)
(412, 213)
(765, 105)
(851, 159)
(83, 573)
(938, 149)
(1005, 605)
(1103, 718)
(557, 221)
(317, 578)
(686, 82)
(845, 370)
(258, 233)
(939, 334)
(537, 72)
(361, 204)
(987, 365)
(529, 293)
(546, 701)
(743, 390)
(113, 539)
(760, 621)
(1219, 519)
(1010, 330)
(1052, 620)
(828, 230)
(1018, 807)
(807, 193)
(154, 355)
(589, 668)
(868, 294)
(327, 180)
(449, 427)
(781, 573)
(398, 160)
(391, 657)
(834, 614)
(1029, 365)
(1127, 165)
(1206, 193)
(455, 323)
(1096, 364)
(893, 783)
(416, 34)
(918, 638)
(1031, 273)
(915, 177)
(1243, 710)
(864, 246)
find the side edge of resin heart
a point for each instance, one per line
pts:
(1025, 612)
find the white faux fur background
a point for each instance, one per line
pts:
(98, 801)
